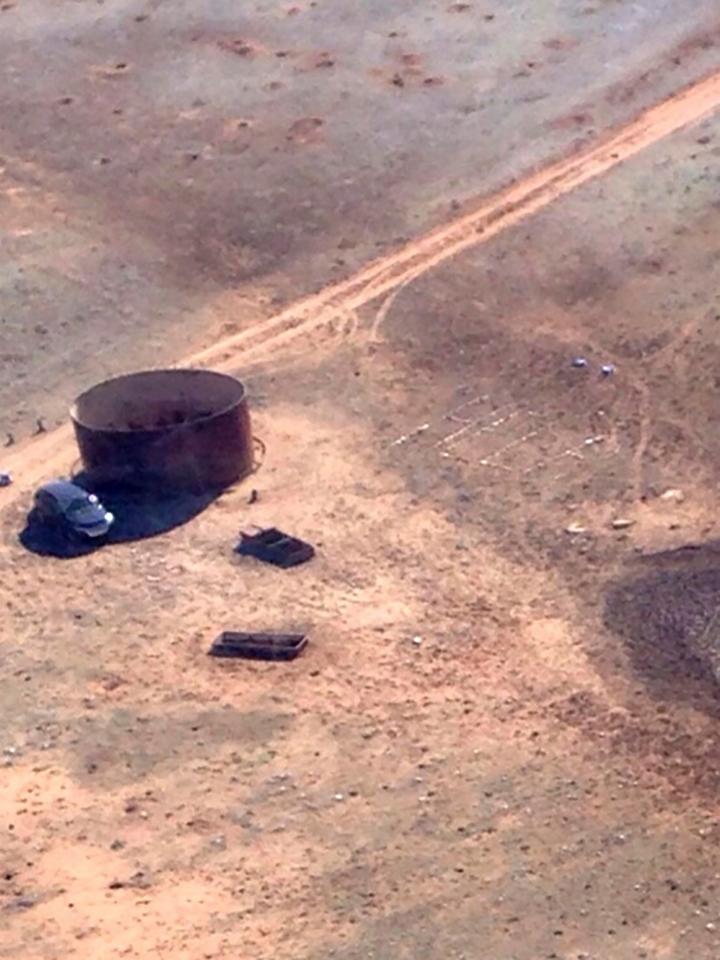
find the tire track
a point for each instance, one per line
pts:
(490, 218)
(39, 457)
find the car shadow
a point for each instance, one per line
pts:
(139, 514)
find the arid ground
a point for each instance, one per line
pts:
(398, 223)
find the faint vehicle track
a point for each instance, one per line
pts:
(52, 451)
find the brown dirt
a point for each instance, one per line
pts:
(537, 776)
(335, 303)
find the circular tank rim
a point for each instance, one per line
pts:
(138, 374)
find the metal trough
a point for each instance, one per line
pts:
(177, 429)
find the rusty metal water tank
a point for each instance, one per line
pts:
(174, 429)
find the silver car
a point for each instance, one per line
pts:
(63, 503)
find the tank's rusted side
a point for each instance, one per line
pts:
(207, 452)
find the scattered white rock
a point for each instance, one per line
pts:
(673, 495)
(410, 436)
(622, 523)
(417, 641)
(575, 529)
